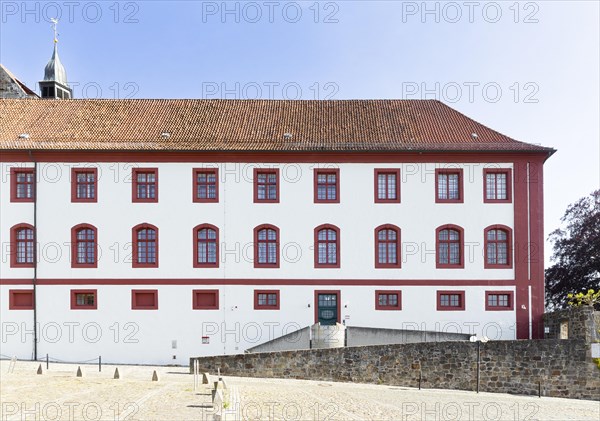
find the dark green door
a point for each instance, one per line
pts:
(327, 306)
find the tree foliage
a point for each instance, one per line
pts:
(576, 252)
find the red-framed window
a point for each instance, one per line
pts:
(84, 299)
(266, 246)
(497, 247)
(84, 185)
(144, 299)
(84, 246)
(205, 299)
(144, 185)
(387, 185)
(266, 299)
(266, 185)
(450, 300)
(327, 246)
(206, 185)
(497, 185)
(22, 246)
(450, 247)
(20, 299)
(499, 301)
(387, 246)
(449, 185)
(388, 300)
(206, 246)
(22, 184)
(145, 246)
(327, 185)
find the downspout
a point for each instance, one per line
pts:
(35, 262)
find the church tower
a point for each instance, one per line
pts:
(54, 85)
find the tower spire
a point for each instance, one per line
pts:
(55, 84)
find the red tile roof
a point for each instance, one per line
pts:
(246, 125)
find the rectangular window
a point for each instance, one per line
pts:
(327, 186)
(22, 184)
(449, 186)
(450, 300)
(205, 299)
(84, 299)
(144, 299)
(499, 300)
(266, 299)
(20, 299)
(266, 185)
(497, 185)
(387, 185)
(206, 185)
(145, 185)
(84, 185)
(388, 300)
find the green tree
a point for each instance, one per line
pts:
(576, 253)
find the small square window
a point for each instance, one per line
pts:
(20, 299)
(388, 300)
(266, 185)
(449, 185)
(205, 299)
(387, 185)
(450, 300)
(327, 186)
(84, 299)
(22, 184)
(84, 185)
(499, 300)
(206, 185)
(144, 184)
(266, 299)
(144, 299)
(497, 185)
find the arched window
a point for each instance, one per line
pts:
(450, 247)
(327, 246)
(22, 241)
(206, 246)
(266, 246)
(498, 247)
(145, 246)
(387, 246)
(84, 246)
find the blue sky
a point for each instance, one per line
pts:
(529, 69)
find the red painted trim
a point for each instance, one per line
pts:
(74, 244)
(266, 307)
(74, 305)
(135, 296)
(195, 172)
(13, 183)
(509, 249)
(461, 307)
(316, 173)
(461, 233)
(508, 172)
(398, 263)
(461, 196)
(134, 184)
(337, 248)
(134, 241)
(396, 172)
(196, 264)
(511, 301)
(13, 246)
(536, 261)
(195, 302)
(258, 171)
(83, 170)
(521, 254)
(277, 242)
(23, 294)
(387, 292)
(339, 302)
(325, 157)
(276, 281)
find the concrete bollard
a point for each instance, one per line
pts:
(39, 370)
(117, 375)
(79, 373)
(154, 376)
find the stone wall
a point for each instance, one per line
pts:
(561, 368)
(582, 323)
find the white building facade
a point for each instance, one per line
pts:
(152, 250)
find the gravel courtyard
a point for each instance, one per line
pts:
(58, 394)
